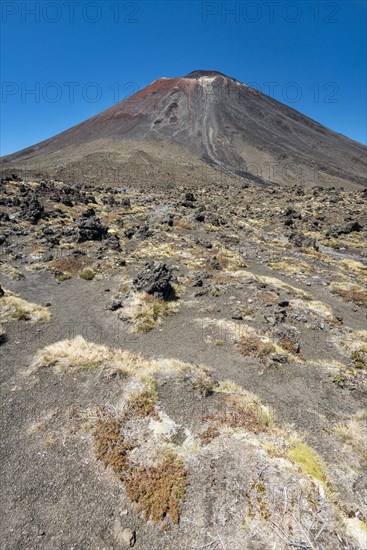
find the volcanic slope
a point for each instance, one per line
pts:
(205, 118)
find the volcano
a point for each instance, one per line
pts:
(204, 117)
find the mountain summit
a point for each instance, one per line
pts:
(218, 120)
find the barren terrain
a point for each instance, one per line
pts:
(183, 328)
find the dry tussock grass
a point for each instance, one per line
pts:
(148, 311)
(251, 344)
(350, 292)
(353, 266)
(289, 265)
(12, 307)
(10, 272)
(277, 283)
(77, 354)
(87, 273)
(250, 414)
(228, 261)
(182, 223)
(354, 434)
(151, 466)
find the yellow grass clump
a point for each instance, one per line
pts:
(350, 292)
(307, 459)
(149, 311)
(78, 354)
(12, 307)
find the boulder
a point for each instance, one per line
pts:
(155, 278)
(91, 229)
(300, 240)
(32, 211)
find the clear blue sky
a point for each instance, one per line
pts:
(79, 57)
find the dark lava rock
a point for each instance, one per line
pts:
(187, 204)
(350, 227)
(114, 305)
(300, 240)
(155, 279)
(90, 199)
(360, 484)
(200, 277)
(280, 315)
(279, 358)
(91, 229)
(214, 263)
(129, 233)
(1, 292)
(237, 316)
(168, 220)
(89, 213)
(53, 241)
(200, 217)
(205, 244)
(67, 202)
(283, 303)
(113, 243)
(32, 211)
(190, 197)
(48, 258)
(144, 232)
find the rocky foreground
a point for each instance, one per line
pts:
(183, 367)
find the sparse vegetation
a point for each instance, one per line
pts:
(250, 344)
(242, 412)
(203, 381)
(308, 460)
(110, 445)
(78, 354)
(11, 272)
(151, 311)
(13, 307)
(87, 274)
(70, 263)
(359, 358)
(165, 423)
(159, 490)
(353, 433)
(142, 403)
(278, 283)
(350, 292)
(209, 433)
(64, 276)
